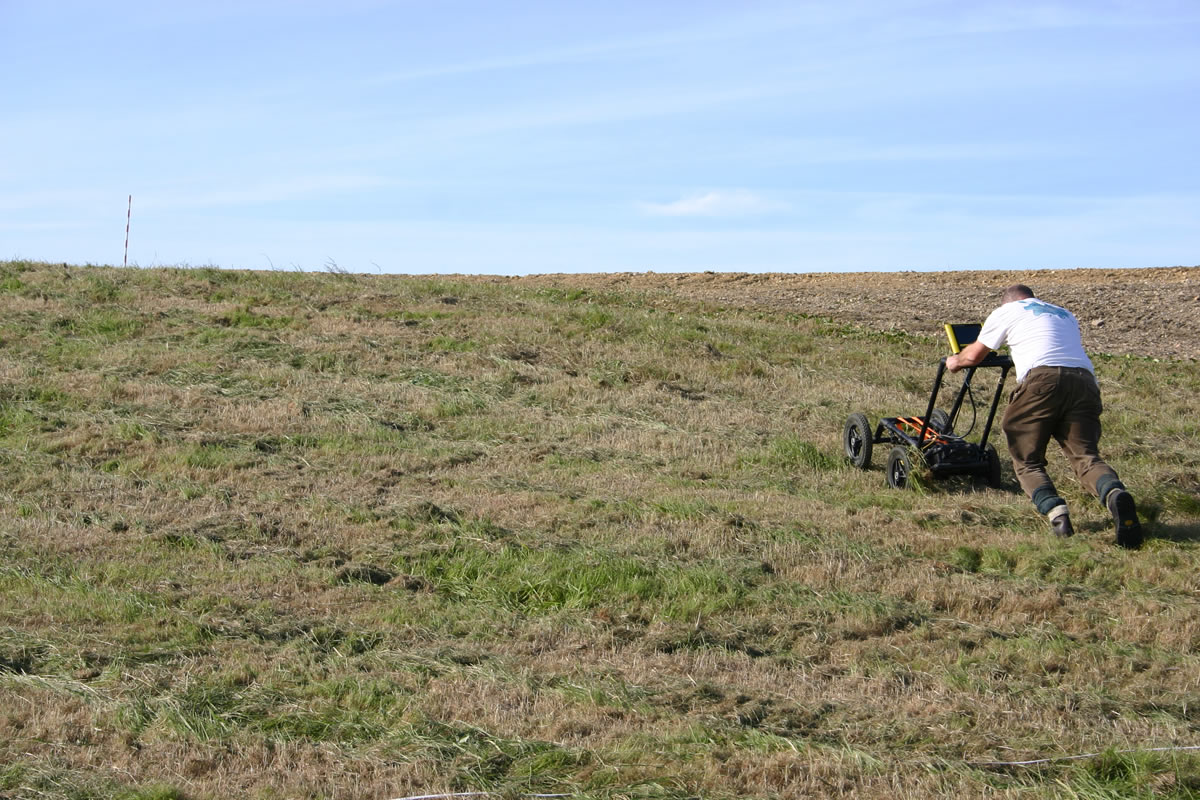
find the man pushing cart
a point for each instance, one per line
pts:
(1057, 397)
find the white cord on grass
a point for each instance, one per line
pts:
(469, 794)
(1037, 761)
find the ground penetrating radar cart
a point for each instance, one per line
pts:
(930, 440)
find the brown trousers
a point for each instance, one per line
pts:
(1062, 403)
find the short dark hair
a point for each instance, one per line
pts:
(1018, 291)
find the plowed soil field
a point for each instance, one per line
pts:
(1150, 312)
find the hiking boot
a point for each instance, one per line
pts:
(1061, 525)
(1125, 518)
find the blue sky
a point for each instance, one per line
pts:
(581, 136)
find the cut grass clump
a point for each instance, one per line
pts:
(792, 454)
(77, 784)
(535, 581)
(246, 317)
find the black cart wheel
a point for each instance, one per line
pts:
(992, 476)
(857, 440)
(939, 420)
(899, 467)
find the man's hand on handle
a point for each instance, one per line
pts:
(970, 355)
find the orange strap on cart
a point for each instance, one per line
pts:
(916, 423)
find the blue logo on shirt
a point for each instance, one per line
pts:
(1038, 308)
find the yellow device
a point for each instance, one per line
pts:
(961, 335)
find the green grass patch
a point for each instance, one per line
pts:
(534, 581)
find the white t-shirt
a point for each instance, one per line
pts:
(1037, 333)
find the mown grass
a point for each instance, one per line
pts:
(287, 535)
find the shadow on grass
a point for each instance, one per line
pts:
(964, 484)
(1173, 533)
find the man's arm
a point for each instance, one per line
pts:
(971, 355)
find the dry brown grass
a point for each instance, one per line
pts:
(294, 535)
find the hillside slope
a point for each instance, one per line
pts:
(331, 536)
(1148, 312)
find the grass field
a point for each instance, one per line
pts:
(284, 535)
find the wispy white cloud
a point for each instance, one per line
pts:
(873, 234)
(781, 151)
(861, 27)
(264, 192)
(730, 203)
(739, 24)
(869, 231)
(577, 54)
(1007, 17)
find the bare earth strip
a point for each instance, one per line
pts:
(1144, 312)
